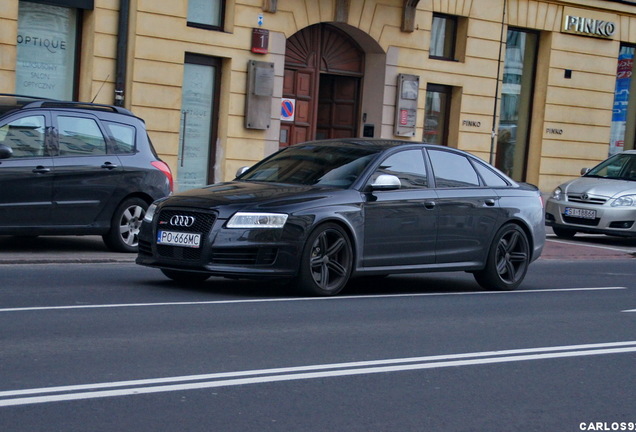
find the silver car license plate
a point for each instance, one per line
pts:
(172, 238)
(580, 213)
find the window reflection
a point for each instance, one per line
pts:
(516, 98)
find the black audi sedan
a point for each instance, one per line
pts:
(320, 213)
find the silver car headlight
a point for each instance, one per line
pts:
(257, 220)
(557, 194)
(624, 201)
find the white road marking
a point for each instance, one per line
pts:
(227, 379)
(294, 299)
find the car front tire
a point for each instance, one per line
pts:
(326, 261)
(508, 260)
(123, 235)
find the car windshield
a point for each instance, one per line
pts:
(329, 166)
(621, 167)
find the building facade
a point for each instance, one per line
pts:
(539, 88)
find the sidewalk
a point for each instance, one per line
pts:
(58, 249)
(91, 249)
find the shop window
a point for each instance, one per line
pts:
(437, 113)
(516, 103)
(46, 50)
(197, 138)
(622, 132)
(448, 37)
(443, 36)
(207, 14)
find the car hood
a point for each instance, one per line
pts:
(599, 187)
(229, 197)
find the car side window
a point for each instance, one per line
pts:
(490, 177)
(25, 136)
(79, 136)
(452, 170)
(406, 165)
(123, 137)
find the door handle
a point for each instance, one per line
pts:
(109, 165)
(41, 170)
(429, 205)
(490, 202)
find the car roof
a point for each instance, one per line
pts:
(12, 102)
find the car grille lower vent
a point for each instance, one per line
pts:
(145, 248)
(243, 256)
(579, 198)
(202, 224)
(581, 221)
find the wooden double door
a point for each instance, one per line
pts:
(323, 74)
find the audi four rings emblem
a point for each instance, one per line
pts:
(182, 221)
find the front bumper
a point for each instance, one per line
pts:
(239, 253)
(617, 221)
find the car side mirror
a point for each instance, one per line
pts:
(386, 182)
(241, 170)
(5, 151)
(585, 171)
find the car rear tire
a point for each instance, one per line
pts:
(185, 277)
(326, 261)
(508, 260)
(565, 233)
(123, 235)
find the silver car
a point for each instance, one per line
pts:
(602, 201)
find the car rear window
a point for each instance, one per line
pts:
(123, 137)
(452, 170)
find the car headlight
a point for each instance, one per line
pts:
(257, 220)
(557, 194)
(150, 213)
(624, 201)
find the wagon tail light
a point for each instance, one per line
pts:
(164, 168)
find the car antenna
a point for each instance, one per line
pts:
(100, 88)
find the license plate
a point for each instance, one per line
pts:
(580, 213)
(172, 238)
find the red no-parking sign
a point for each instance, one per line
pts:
(288, 109)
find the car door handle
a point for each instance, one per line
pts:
(430, 205)
(41, 170)
(490, 202)
(109, 165)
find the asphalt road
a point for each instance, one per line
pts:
(110, 346)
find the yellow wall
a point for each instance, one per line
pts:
(159, 38)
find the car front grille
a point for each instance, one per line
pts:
(203, 222)
(584, 199)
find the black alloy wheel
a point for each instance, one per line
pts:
(508, 260)
(326, 262)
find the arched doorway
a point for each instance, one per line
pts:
(323, 74)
